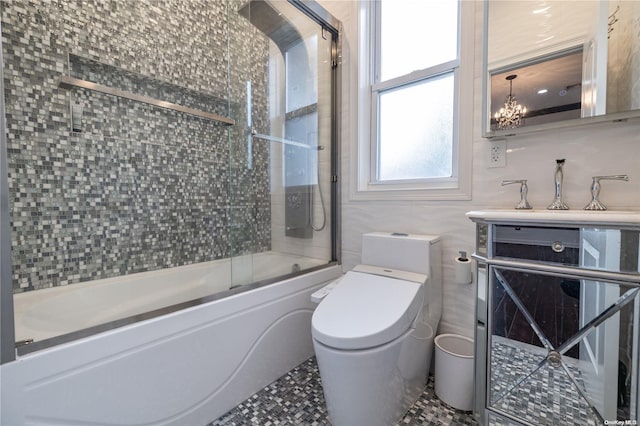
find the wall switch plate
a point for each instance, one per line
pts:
(498, 153)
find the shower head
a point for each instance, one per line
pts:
(272, 22)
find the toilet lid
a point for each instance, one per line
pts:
(366, 310)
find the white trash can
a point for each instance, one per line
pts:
(454, 371)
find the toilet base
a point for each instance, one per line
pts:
(375, 386)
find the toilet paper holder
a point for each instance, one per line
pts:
(463, 268)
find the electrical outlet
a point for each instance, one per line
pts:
(498, 153)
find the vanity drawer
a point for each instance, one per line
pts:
(541, 244)
(597, 248)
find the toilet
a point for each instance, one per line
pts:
(373, 333)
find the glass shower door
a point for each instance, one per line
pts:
(281, 149)
(139, 179)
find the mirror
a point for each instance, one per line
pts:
(571, 347)
(560, 63)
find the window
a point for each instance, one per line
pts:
(412, 142)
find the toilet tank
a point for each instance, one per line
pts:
(407, 252)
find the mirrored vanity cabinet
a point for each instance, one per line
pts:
(557, 317)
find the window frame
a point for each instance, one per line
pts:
(365, 184)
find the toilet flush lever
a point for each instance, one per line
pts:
(595, 204)
(524, 190)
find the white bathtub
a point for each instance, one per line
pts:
(184, 368)
(55, 311)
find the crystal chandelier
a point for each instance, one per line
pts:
(512, 114)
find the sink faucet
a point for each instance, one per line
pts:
(595, 204)
(557, 203)
(523, 204)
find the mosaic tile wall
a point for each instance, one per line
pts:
(139, 188)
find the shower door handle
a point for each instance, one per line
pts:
(23, 342)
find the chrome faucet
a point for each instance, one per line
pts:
(557, 203)
(523, 204)
(595, 204)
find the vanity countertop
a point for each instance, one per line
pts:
(607, 217)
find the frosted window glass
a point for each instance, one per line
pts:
(416, 130)
(417, 34)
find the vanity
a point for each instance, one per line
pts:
(558, 307)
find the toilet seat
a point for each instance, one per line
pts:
(368, 309)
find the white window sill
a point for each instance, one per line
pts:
(394, 192)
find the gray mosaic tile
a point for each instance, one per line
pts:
(297, 399)
(138, 188)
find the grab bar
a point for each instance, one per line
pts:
(270, 138)
(70, 82)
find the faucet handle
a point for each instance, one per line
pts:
(524, 190)
(595, 204)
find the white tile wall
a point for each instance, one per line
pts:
(593, 150)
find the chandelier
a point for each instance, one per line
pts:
(512, 114)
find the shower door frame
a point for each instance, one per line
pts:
(330, 24)
(7, 331)
(8, 350)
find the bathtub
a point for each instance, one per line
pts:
(56, 311)
(186, 367)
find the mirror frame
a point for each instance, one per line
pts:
(557, 125)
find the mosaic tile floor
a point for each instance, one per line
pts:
(296, 399)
